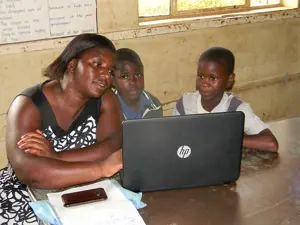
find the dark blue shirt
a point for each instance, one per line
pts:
(131, 114)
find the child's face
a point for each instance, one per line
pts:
(212, 80)
(129, 81)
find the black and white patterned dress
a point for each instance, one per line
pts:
(14, 207)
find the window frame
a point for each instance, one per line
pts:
(174, 13)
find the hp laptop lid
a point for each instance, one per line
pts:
(182, 151)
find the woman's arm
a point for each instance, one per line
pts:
(41, 172)
(109, 133)
(265, 140)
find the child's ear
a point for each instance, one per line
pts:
(113, 80)
(72, 66)
(113, 85)
(230, 82)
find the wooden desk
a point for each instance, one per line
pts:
(267, 192)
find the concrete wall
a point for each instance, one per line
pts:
(267, 54)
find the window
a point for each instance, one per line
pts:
(159, 9)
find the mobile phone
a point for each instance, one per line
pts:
(83, 197)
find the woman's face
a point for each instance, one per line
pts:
(93, 72)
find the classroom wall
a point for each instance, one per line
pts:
(267, 62)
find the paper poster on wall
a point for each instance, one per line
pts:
(26, 20)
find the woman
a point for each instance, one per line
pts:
(73, 110)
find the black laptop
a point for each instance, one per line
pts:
(182, 151)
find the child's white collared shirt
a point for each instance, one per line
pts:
(192, 105)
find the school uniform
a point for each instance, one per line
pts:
(148, 107)
(190, 103)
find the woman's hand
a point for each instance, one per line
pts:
(35, 143)
(112, 164)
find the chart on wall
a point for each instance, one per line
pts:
(27, 20)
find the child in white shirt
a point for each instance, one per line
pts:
(215, 75)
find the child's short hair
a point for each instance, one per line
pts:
(220, 55)
(128, 55)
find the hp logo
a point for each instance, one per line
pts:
(184, 151)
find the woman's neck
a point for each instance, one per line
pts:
(70, 97)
